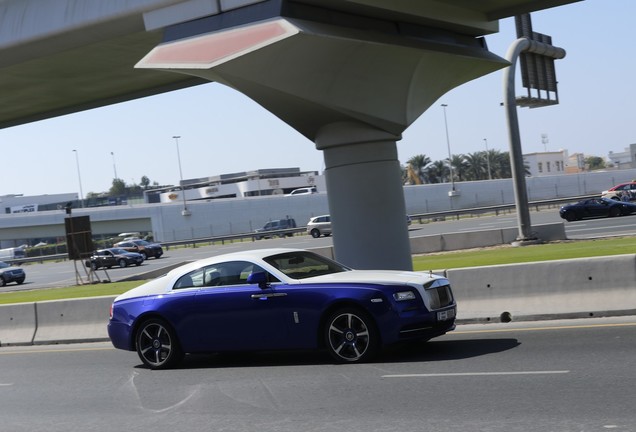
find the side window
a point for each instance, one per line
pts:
(222, 274)
(231, 273)
(188, 280)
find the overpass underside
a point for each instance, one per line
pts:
(350, 75)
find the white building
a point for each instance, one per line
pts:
(275, 181)
(546, 163)
(626, 159)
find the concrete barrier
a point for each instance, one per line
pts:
(62, 321)
(17, 324)
(587, 286)
(485, 238)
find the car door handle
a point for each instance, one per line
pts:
(261, 296)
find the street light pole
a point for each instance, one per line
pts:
(185, 211)
(450, 162)
(79, 177)
(114, 166)
(488, 159)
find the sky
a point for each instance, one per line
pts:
(222, 131)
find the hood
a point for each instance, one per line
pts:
(383, 277)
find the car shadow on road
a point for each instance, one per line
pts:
(444, 350)
(432, 351)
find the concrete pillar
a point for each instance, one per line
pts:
(366, 198)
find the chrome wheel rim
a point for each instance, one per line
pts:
(155, 344)
(348, 337)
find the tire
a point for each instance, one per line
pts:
(20, 281)
(3, 282)
(615, 211)
(570, 216)
(315, 233)
(145, 255)
(94, 266)
(350, 336)
(157, 344)
(122, 263)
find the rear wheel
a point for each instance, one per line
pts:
(615, 211)
(157, 344)
(350, 336)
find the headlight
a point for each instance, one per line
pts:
(404, 295)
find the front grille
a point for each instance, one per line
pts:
(440, 296)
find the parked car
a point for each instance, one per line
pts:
(596, 207)
(278, 299)
(275, 225)
(303, 191)
(10, 273)
(617, 192)
(319, 226)
(147, 249)
(113, 257)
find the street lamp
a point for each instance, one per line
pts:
(487, 159)
(79, 177)
(114, 166)
(450, 162)
(185, 211)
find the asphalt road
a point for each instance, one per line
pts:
(49, 275)
(565, 376)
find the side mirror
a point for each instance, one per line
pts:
(259, 278)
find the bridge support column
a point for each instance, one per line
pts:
(366, 198)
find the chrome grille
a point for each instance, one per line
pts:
(439, 296)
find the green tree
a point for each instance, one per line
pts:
(145, 181)
(594, 163)
(118, 188)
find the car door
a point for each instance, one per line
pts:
(234, 315)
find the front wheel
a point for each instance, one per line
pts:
(157, 344)
(570, 216)
(315, 233)
(350, 336)
(615, 211)
(122, 263)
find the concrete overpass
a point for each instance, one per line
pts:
(351, 75)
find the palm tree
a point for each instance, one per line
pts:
(437, 172)
(476, 166)
(418, 163)
(459, 167)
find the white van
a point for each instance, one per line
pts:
(12, 254)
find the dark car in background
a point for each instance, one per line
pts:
(147, 249)
(596, 207)
(111, 257)
(9, 273)
(270, 227)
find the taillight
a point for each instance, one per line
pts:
(111, 311)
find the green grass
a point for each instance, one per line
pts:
(509, 254)
(79, 291)
(437, 261)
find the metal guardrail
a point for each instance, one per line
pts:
(281, 233)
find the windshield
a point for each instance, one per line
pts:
(302, 264)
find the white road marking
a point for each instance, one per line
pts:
(463, 374)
